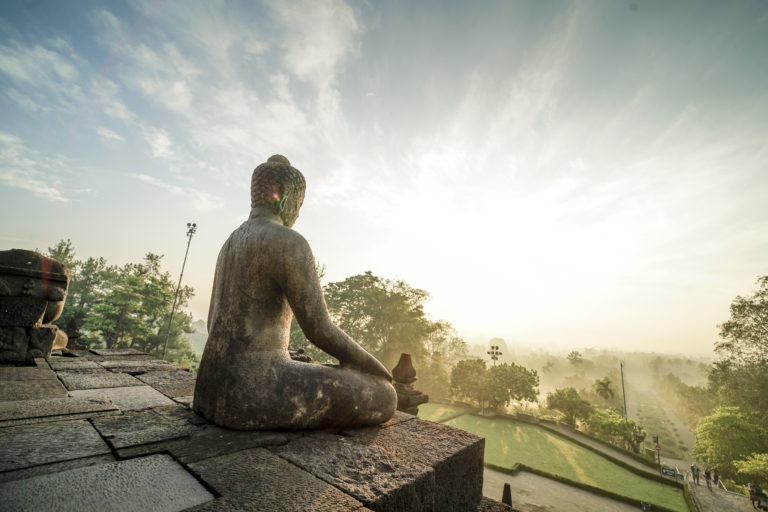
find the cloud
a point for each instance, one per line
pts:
(319, 35)
(201, 201)
(27, 169)
(108, 135)
(106, 94)
(159, 142)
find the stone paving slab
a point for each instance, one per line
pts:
(12, 390)
(42, 443)
(129, 398)
(36, 411)
(209, 441)
(259, 480)
(117, 352)
(136, 366)
(184, 400)
(72, 363)
(455, 455)
(156, 483)
(97, 379)
(149, 426)
(172, 383)
(55, 467)
(25, 373)
(370, 474)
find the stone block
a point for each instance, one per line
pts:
(97, 379)
(26, 373)
(172, 383)
(72, 363)
(37, 411)
(131, 398)
(259, 480)
(455, 455)
(12, 390)
(209, 441)
(118, 352)
(55, 467)
(156, 483)
(489, 505)
(42, 443)
(148, 426)
(375, 477)
(136, 366)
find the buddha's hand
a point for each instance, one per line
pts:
(366, 363)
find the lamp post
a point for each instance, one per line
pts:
(494, 353)
(191, 229)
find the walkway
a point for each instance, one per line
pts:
(534, 493)
(718, 500)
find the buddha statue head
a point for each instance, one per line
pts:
(279, 187)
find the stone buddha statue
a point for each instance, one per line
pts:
(265, 274)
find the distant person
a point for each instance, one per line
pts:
(695, 473)
(715, 477)
(757, 496)
(708, 478)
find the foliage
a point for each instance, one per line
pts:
(123, 307)
(604, 388)
(745, 334)
(387, 318)
(727, 436)
(755, 467)
(568, 402)
(497, 386)
(694, 402)
(611, 426)
(575, 357)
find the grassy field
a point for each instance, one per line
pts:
(508, 442)
(440, 412)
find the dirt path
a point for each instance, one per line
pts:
(534, 493)
(718, 500)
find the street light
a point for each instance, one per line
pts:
(494, 353)
(191, 229)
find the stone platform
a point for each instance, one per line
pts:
(91, 430)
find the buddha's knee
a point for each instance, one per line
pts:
(381, 402)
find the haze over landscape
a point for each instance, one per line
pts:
(556, 174)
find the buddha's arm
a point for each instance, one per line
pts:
(305, 296)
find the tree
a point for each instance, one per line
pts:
(575, 358)
(727, 436)
(609, 425)
(745, 334)
(754, 467)
(509, 381)
(468, 380)
(570, 404)
(603, 388)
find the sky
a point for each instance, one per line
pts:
(558, 174)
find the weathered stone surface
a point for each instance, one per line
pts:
(36, 411)
(41, 443)
(370, 474)
(136, 366)
(148, 426)
(184, 400)
(11, 390)
(455, 455)
(73, 363)
(489, 505)
(172, 383)
(55, 467)
(25, 373)
(209, 441)
(126, 398)
(156, 483)
(259, 480)
(97, 379)
(117, 352)
(247, 379)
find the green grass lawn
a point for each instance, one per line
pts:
(440, 412)
(508, 442)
